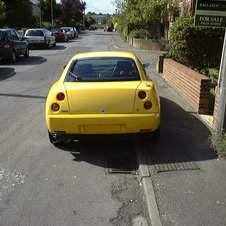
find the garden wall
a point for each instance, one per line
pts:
(193, 86)
(144, 44)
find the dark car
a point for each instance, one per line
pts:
(91, 28)
(12, 44)
(60, 35)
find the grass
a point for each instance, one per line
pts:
(219, 144)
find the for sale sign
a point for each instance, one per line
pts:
(210, 13)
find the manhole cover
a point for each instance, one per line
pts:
(165, 167)
(121, 165)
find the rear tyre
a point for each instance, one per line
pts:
(51, 138)
(153, 137)
(13, 57)
(48, 45)
(26, 55)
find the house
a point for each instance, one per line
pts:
(35, 8)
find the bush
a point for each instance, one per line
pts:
(197, 47)
(219, 144)
(141, 33)
(47, 25)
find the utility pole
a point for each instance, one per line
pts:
(222, 97)
(40, 13)
(52, 13)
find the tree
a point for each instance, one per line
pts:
(72, 11)
(2, 11)
(18, 14)
(143, 14)
(89, 20)
(45, 6)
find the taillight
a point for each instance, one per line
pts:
(60, 96)
(6, 46)
(148, 105)
(142, 95)
(55, 107)
(44, 38)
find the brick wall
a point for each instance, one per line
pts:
(193, 86)
(216, 107)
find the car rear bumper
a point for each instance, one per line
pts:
(87, 124)
(63, 137)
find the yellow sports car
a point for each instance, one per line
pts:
(103, 94)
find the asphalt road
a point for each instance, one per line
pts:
(41, 184)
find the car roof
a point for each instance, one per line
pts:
(7, 29)
(36, 29)
(104, 54)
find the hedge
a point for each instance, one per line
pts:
(197, 47)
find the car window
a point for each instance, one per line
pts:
(48, 32)
(56, 30)
(12, 35)
(19, 35)
(34, 33)
(103, 69)
(2, 37)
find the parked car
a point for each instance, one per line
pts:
(12, 44)
(40, 37)
(103, 94)
(69, 31)
(75, 32)
(91, 28)
(60, 35)
(108, 28)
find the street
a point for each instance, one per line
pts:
(80, 183)
(69, 185)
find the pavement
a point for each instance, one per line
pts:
(184, 180)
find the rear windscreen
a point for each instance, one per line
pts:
(56, 30)
(2, 37)
(34, 33)
(103, 69)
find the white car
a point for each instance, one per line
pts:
(40, 37)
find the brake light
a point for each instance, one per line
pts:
(55, 107)
(60, 96)
(44, 38)
(142, 95)
(6, 46)
(148, 105)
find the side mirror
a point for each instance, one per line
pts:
(146, 65)
(64, 66)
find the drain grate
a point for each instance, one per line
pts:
(165, 167)
(121, 165)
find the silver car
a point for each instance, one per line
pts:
(70, 31)
(40, 37)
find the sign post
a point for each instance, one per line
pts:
(212, 13)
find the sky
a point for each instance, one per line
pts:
(99, 6)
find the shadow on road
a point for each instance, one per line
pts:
(98, 152)
(22, 96)
(32, 60)
(57, 47)
(6, 73)
(183, 137)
